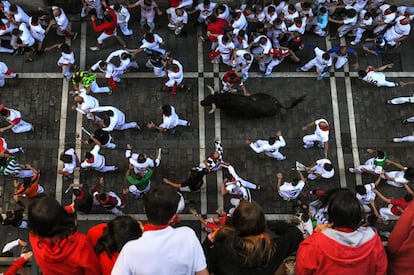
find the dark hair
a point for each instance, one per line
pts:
(88, 155)
(125, 56)
(35, 19)
(291, 7)
(119, 231)
(392, 8)
(351, 13)
(322, 10)
(344, 210)
(76, 192)
(161, 204)
(166, 110)
(117, 7)
(108, 17)
(48, 219)
(326, 56)
(149, 36)
(272, 140)
(65, 48)
(13, 8)
(212, 18)
(362, 73)
(328, 166)
(408, 197)
(409, 173)
(16, 32)
(142, 158)
(65, 158)
(271, 9)
(380, 154)
(360, 189)
(106, 121)
(244, 234)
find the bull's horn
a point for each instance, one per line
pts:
(213, 108)
(211, 89)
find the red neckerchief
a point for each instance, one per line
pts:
(90, 160)
(326, 128)
(151, 227)
(33, 24)
(344, 229)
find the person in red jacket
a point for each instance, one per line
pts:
(215, 27)
(59, 248)
(109, 238)
(108, 27)
(401, 244)
(344, 247)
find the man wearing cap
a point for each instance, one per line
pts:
(88, 80)
(110, 201)
(269, 147)
(14, 118)
(341, 52)
(321, 135)
(96, 161)
(320, 169)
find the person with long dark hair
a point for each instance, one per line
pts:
(58, 246)
(109, 238)
(245, 246)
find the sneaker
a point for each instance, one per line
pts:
(243, 80)
(397, 140)
(307, 146)
(94, 48)
(351, 170)
(138, 127)
(389, 101)
(188, 124)
(353, 43)
(405, 121)
(110, 91)
(265, 75)
(299, 69)
(75, 35)
(21, 150)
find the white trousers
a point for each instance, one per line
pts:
(22, 127)
(96, 89)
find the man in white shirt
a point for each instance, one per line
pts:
(322, 62)
(85, 102)
(399, 31)
(321, 135)
(177, 19)
(270, 147)
(114, 120)
(170, 120)
(96, 161)
(320, 169)
(179, 248)
(290, 190)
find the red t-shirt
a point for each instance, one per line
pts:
(216, 28)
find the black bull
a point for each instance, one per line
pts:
(254, 106)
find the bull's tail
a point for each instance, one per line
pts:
(295, 102)
(213, 106)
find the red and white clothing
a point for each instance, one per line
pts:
(66, 60)
(368, 197)
(378, 79)
(238, 186)
(335, 252)
(108, 28)
(5, 72)
(225, 49)
(175, 77)
(26, 37)
(288, 191)
(298, 27)
(37, 31)
(386, 16)
(176, 23)
(240, 22)
(112, 201)
(20, 16)
(89, 102)
(20, 126)
(97, 161)
(147, 13)
(162, 244)
(110, 71)
(116, 120)
(272, 60)
(321, 135)
(5, 149)
(124, 64)
(205, 11)
(240, 63)
(172, 121)
(228, 82)
(397, 31)
(62, 21)
(395, 208)
(398, 176)
(123, 17)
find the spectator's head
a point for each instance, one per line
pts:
(323, 10)
(306, 5)
(351, 13)
(206, 4)
(380, 42)
(147, 2)
(221, 8)
(362, 73)
(344, 210)
(48, 219)
(248, 219)
(291, 9)
(271, 10)
(161, 205)
(119, 231)
(166, 109)
(211, 19)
